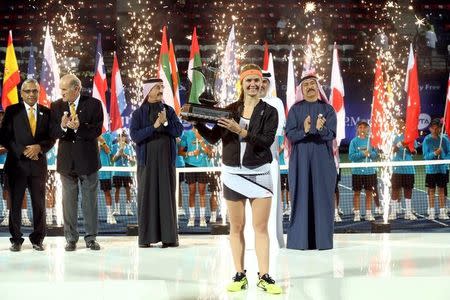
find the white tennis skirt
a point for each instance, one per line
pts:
(243, 183)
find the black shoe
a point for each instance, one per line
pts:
(71, 246)
(145, 245)
(38, 247)
(93, 245)
(166, 245)
(15, 247)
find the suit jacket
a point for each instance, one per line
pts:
(78, 151)
(16, 135)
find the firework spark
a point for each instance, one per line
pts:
(419, 22)
(310, 7)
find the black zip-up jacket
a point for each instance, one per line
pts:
(260, 136)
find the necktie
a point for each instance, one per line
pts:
(32, 120)
(72, 109)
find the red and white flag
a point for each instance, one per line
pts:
(270, 69)
(308, 59)
(447, 110)
(337, 96)
(49, 79)
(100, 85)
(377, 117)
(290, 99)
(290, 86)
(413, 98)
(266, 56)
(118, 102)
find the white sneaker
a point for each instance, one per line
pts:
(430, 214)
(443, 214)
(25, 221)
(110, 219)
(393, 214)
(49, 219)
(379, 210)
(410, 216)
(213, 217)
(128, 210)
(340, 211)
(357, 217)
(5, 221)
(116, 211)
(203, 222)
(288, 211)
(181, 211)
(191, 222)
(369, 216)
(337, 218)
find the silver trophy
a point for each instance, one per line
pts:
(206, 111)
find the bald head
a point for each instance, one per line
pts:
(70, 87)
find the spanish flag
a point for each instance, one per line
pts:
(11, 76)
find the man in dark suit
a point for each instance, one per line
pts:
(77, 122)
(25, 134)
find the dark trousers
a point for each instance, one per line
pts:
(17, 185)
(70, 191)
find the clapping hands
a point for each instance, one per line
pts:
(162, 118)
(71, 121)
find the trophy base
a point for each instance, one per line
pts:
(202, 113)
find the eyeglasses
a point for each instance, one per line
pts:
(35, 91)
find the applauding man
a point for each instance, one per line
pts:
(77, 123)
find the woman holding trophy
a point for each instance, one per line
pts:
(246, 158)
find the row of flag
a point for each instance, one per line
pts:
(168, 72)
(49, 81)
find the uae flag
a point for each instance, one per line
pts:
(195, 77)
(175, 78)
(164, 70)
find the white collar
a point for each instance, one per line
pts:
(27, 106)
(76, 101)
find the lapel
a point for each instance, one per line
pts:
(39, 116)
(81, 106)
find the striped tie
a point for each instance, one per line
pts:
(32, 120)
